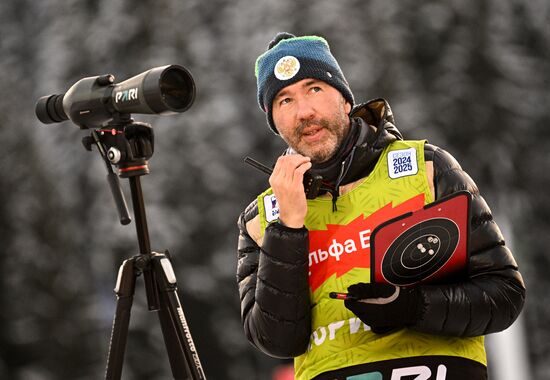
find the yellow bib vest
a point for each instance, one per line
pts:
(339, 256)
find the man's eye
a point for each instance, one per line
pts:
(315, 89)
(285, 101)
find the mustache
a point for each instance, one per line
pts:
(323, 123)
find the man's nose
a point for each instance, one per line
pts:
(306, 110)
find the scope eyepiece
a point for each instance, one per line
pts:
(49, 109)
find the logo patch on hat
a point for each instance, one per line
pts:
(286, 67)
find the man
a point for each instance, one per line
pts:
(294, 251)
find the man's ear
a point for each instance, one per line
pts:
(347, 107)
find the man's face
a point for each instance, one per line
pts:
(312, 117)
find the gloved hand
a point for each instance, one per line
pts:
(384, 307)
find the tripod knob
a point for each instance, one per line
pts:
(114, 155)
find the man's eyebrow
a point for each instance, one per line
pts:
(310, 82)
(284, 92)
(281, 93)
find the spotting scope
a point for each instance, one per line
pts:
(94, 101)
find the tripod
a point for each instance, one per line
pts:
(129, 145)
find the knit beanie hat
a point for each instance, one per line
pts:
(288, 60)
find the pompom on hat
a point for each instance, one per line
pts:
(288, 60)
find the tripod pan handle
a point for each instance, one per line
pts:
(121, 206)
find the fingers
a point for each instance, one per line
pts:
(289, 169)
(383, 300)
(372, 291)
(287, 184)
(300, 171)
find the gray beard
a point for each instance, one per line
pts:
(325, 155)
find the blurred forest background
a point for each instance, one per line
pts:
(470, 76)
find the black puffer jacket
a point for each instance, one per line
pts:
(272, 272)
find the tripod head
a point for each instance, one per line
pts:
(127, 145)
(124, 143)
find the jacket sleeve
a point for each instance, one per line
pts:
(492, 296)
(273, 287)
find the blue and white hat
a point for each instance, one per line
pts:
(290, 59)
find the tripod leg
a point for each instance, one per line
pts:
(183, 356)
(125, 295)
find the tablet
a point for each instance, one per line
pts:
(427, 245)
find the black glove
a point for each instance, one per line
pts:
(384, 307)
